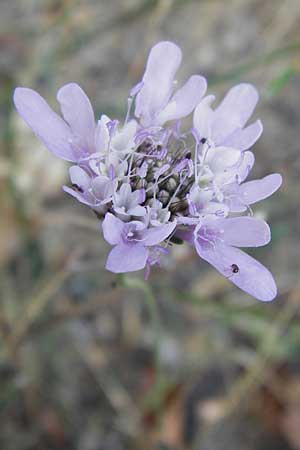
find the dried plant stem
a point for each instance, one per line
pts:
(37, 305)
(258, 372)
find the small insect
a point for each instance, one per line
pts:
(203, 140)
(235, 268)
(77, 188)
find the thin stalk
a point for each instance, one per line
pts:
(135, 283)
(153, 401)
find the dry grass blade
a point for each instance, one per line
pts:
(258, 372)
(37, 304)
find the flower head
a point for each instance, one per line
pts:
(152, 182)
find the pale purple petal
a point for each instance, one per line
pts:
(222, 158)
(244, 231)
(127, 258)
(123, 141)
(215, 208)
(184, 100)
(233, 198)
(252, 277)
(256, 190)
(112, 229)
(155, 235)
(103, 188)
(78, 112)
(136, 197)
(82, 198)
(244, 138)
(45, 123)
(102, 134)
(163, 62)
(137, 211)
(79, 177)
(234, 111)
(203, 117)
(187, 234)
(247, 162)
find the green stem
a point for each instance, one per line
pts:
(135, 283)
(153, 401)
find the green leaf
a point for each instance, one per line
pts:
(278, 83)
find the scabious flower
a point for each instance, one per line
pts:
(153, 183)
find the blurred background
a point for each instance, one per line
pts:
(186, 362)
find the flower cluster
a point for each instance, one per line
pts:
(154, 183)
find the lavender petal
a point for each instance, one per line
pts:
(78, 113)
(45, 123)
(245, 138)
(112, 228)
(234, 111)
(251, 276)
(127, 258)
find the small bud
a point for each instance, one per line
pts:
(178, 205)
(163, 196)
(171, 185)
